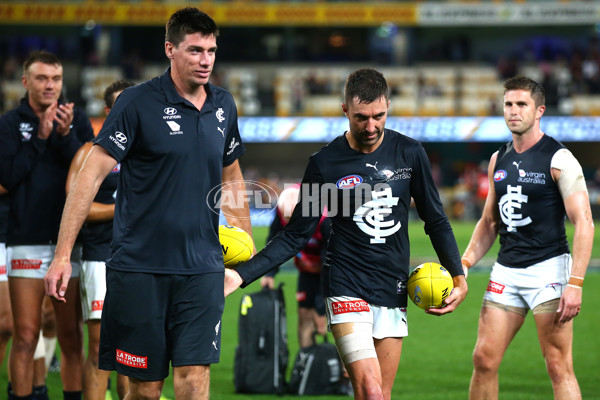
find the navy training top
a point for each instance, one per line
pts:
(34, 171)
(172, 155)
(368, 198)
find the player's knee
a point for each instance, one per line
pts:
(192, 378)
(485, 361)
(26, 340)
(144, 393)
(144, 390)
(368, 388)
(558, 369)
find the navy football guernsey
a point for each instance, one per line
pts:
(34, 172)
(532, 212)
(98, 235)
(368, 204)
(171, 156)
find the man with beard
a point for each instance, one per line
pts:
(366, 179)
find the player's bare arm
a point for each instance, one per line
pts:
(238, 214)
(233, 180)
(577, 207)
(3, 190)
(486, 230)
(96, 167)
(99, 212)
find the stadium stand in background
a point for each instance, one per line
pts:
(442, 58)
(290, 58)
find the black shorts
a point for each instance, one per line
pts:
(309, 293)
(149, 320)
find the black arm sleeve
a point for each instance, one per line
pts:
(274, 229)
(293, 237)
(326, 233)
(430, 209)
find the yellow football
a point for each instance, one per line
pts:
(236, 243)
(429, 284)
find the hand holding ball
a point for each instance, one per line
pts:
(237, 245)
(429, 284)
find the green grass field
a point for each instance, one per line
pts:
(436, 356)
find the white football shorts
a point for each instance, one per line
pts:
(3, 261)
(531, 286)
(386, 322)
(34, 261)
(92, 286)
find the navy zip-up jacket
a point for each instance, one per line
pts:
(34, 171)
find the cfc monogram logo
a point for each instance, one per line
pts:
(219, 114)
(370, 216)
(509, 205)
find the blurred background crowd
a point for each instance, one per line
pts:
(291, 58)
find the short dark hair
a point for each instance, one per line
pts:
(367, 85)
(43, 56)
(189, 20)
(118, 86)
(538, 94)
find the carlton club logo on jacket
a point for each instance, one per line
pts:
(26, 129)
(220, 114)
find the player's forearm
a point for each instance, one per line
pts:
(233, 184)
(483, 238)
(583, 240)
(100, 212)
(237, 214)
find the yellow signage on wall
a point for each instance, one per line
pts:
(229, 14)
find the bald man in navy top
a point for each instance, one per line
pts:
(176, 137)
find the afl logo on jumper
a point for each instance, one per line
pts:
(349, 181)
(500, 175)
(170, 111)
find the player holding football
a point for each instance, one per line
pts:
(366, 178)
(176, 137)
(534, 183)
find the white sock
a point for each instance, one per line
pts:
(50, 347)
(40, 349)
